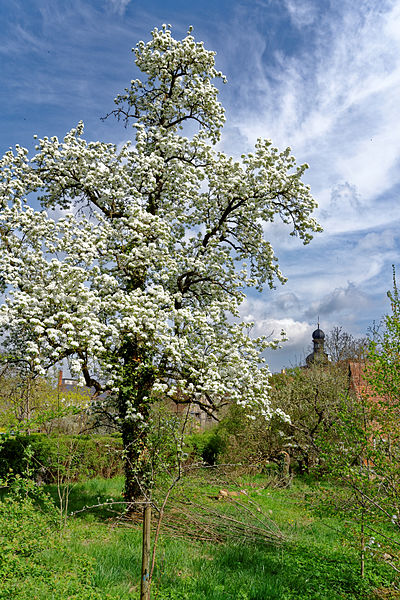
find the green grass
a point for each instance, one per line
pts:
(98, 556)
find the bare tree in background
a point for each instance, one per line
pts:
(342, 346)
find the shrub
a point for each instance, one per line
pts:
(207, 446)
(62, 457)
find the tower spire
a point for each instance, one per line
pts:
(318, 355)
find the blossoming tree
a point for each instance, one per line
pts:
(136, 265)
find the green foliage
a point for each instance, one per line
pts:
(207, 446)
(249, 442)
(55, 458)
(311, 398)
(28, 537)
(25, 532)
(365, 460)
(93, 498)
(93, 561)
(164, 443)
(30, 403)
(173, 595)
(313, 565)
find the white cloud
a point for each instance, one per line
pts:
(297, 332)
(382, 241)
(301, 13)
(294, 350)
(336, 100)
(334, 97)
(270, 320)
(118, 6)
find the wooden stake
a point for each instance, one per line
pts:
(362, 551)
(145, 579)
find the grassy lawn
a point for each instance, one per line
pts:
(97, 555)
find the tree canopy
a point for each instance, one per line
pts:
(136, 264)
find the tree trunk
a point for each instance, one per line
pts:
(134, 402)
(135, 468)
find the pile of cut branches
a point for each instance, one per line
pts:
(215, 508)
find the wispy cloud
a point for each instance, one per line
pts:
(118, 6)
(327, 83)
(301, 13)
(335, 98)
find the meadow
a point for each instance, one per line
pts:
(94, 553)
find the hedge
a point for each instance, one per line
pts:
(62, 457)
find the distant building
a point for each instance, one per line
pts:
(318, 356)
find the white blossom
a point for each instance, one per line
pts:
(156, 243)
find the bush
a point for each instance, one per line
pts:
(25, 533)
(248, 442)
(56, 458)
(207, 446)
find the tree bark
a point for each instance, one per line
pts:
(134, 403)
(135, 469)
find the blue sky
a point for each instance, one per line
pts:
(320, 76)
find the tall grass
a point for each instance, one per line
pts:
(101, 553)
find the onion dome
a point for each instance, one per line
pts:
(318, 334)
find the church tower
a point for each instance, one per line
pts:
(318, 356)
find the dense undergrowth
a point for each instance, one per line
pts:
(95, 554)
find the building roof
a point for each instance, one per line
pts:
(318, 334)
